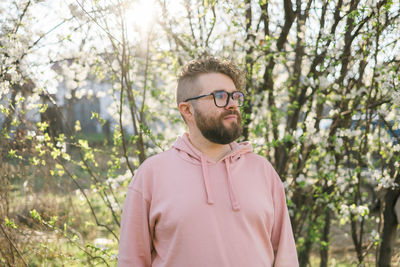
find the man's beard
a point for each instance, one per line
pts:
(214, 129)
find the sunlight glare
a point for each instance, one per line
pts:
(142, 15)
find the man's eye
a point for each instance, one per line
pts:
(237, 96)
(221, 95)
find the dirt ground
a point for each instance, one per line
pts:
(342, 251)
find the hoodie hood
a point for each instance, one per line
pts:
(196, 157)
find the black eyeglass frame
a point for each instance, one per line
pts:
(230, 96)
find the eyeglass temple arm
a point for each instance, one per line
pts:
(197, 97)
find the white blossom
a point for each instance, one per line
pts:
(396, 98)
(300, 178)
(360, 210)
(4, 88)
(102, 242)
(31, 133)
(71, 84)
(310, 126)
(100, 94)
(323, 82)
(80, 93)
(333, 112)
(344, 210)
(390, 116)
(374, 235)
(396, 148)
(90, 93)
(62, 145)
(384, 180)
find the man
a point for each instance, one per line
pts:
(207, 201)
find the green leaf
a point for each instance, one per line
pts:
(35, 215)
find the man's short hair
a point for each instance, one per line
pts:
(187, 86)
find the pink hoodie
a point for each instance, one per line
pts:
(184, 210)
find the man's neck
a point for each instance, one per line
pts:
(212, 150)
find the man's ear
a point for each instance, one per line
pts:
(186, 110)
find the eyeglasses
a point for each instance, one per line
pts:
(221, 98)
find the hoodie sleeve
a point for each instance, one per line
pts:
(282, 234)
(135, 239)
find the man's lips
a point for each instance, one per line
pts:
(230, 117)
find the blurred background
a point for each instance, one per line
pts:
(87, 93)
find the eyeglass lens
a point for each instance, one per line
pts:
(221, 98)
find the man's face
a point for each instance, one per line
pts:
(218, 125)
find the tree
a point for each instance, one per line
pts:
(321, 76)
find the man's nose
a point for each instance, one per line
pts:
(232, 104)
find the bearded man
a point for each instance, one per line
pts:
(207, 201)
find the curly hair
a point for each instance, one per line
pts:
(187, 86)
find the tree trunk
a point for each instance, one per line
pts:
(7, 121)
(324, 250)
(389, 229)
(304, 255)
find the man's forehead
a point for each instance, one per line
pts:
(210, 82)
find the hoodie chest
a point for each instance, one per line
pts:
(191, 197)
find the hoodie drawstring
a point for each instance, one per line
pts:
(232, 192)
(206, 180)
(231, 188)
(193, 155)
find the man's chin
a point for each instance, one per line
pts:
(234, 130)
(230, 123)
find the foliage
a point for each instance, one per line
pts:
(322, 105)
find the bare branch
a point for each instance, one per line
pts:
(214, 20)
(13, 245)
(289, 19)
(19, 23)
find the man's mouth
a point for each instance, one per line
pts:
(230, 117)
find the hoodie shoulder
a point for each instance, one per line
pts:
(254, 156)
(144, 174)
(260, 160)
(158, 158)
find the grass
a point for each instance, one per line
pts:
(74, 231)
